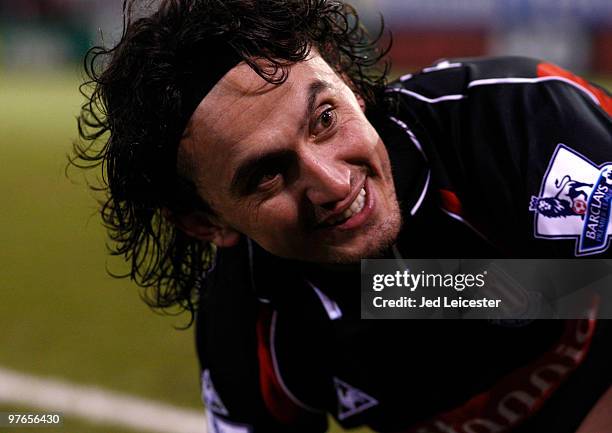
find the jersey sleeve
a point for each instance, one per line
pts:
(521, 149)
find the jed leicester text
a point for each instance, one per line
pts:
(439, 302)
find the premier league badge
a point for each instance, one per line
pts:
(575, 202)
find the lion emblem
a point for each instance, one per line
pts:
(570, 199)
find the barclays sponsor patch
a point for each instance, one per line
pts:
(575, 202)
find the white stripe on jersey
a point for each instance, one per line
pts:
(289, 394)
(417, 144)
(419, 202)
(441, 66)
(425, 98)
(492, 81)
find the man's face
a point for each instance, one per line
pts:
(297, 167)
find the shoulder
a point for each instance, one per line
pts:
(458, 79)
(462, 71)
(451, 76)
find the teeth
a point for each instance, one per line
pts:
(354, 208)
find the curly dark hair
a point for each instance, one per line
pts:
(131, 125)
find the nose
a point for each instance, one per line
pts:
(327, 181)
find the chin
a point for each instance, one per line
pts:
(369, 246)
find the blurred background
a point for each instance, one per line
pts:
(74, 339)
(576, 34)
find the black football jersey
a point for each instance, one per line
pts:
(499, 157)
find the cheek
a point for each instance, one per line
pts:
(371, 148)
(274, 217)
(381, 153)
(276, 226)
(282, 211)
(364, 134)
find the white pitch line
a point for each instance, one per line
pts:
(97, 405)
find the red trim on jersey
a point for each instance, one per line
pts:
(282, 408)
(520, 394)
(550, 70)
(450, 202)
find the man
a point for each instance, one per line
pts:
(263, 128)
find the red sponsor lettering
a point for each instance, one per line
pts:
(520, 394)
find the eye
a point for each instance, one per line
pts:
(267, 179)
(325, 121)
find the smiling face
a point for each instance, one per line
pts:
(297, 167)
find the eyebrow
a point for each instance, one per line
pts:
(314, 89)
(251, 165)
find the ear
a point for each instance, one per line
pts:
(204, 227)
